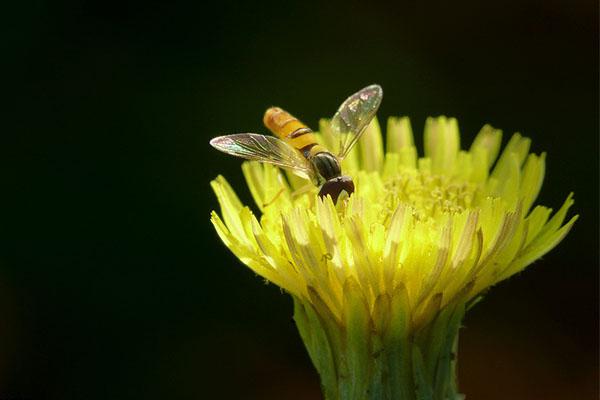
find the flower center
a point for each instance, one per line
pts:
(429, 195)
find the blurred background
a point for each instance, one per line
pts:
(113, 283)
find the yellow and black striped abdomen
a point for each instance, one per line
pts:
(289, 128)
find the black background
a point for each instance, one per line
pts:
(113, 283)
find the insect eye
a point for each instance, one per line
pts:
(335, 187)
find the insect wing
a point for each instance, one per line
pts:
(266, 149)
(353, 116)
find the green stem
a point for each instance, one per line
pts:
(400, 364)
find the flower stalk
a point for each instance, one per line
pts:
(381, 280)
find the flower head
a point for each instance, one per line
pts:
(381, 279)
(435, 230)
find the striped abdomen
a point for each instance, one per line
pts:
(289, 128)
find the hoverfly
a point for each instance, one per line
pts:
(296, 148)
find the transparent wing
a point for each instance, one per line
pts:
(266, 149)
(354, 115)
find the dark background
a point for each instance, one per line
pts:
(113, 283)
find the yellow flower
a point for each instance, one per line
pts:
(419, 240)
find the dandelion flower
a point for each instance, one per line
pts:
(381, 279)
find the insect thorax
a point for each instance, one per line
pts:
(326, 164)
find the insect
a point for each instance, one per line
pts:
(296, 148)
